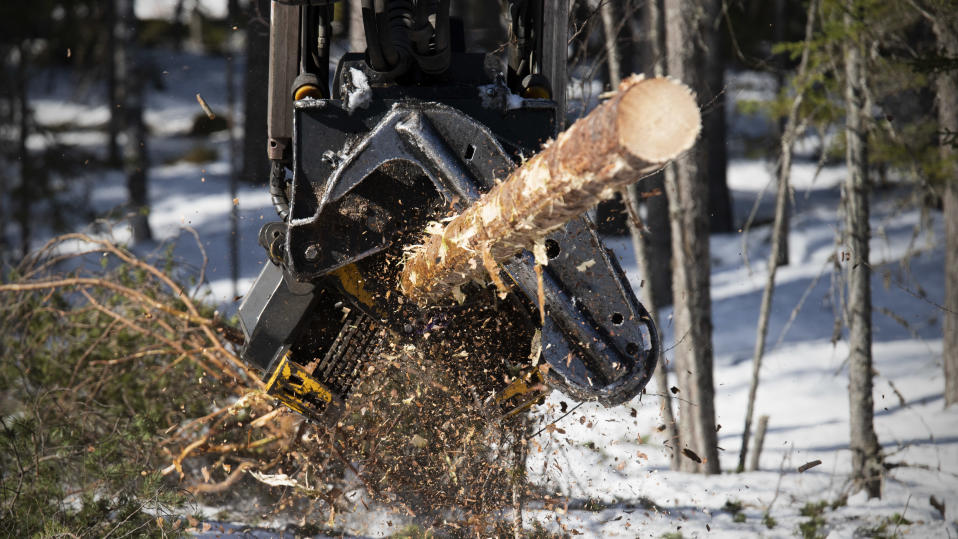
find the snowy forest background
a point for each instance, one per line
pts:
(119, 417)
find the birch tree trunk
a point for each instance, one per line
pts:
(863, 442)
(951, 282)
(778, 36)
(611, 14)
(947, 86)
(357, 36)
(759, 443)
(688, 194)
(611, 23)
(779, 231)
(658, 238)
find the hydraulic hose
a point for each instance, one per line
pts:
(324, 38)
(373, 46)
(400, 15)
(387, 25)
(432, 45)
(277, 189)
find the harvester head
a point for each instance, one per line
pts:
(409, 132)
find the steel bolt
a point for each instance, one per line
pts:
(312, 253)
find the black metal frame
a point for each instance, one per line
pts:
(365, 179)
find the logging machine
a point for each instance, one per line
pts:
(408, 132)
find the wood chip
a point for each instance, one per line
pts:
(939, 505)
(205, 106)
(691, 455)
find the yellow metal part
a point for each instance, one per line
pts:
(525, 390)
(537, 92)
(354, 285)
(307, 90)
(297, 389)
(517, 387)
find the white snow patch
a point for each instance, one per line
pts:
(498, 96)
(514, 101)
(360, 94)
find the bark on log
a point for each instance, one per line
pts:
(647, 123)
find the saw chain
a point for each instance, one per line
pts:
(317, 387)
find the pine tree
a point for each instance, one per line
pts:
(872, 57)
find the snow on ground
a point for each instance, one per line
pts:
(164, 9)
(608, 467)
(614, 467)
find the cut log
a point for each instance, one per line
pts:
(647, 123)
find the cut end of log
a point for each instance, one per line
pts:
(648, 123)
(658, 119)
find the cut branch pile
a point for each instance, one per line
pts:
(109, 336)
(644, 125)
(208, 352)
(108, 361)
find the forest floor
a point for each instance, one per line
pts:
(609, 468)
